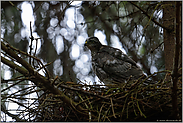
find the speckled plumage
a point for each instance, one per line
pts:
(110, 64)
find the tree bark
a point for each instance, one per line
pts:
(169, 35)
(176, 62)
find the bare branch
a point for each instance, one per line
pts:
(150, 16)
(38, 79)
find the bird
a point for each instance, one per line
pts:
(110, 64)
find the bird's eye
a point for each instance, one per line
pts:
(91, 41)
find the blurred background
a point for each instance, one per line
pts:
(64, 26)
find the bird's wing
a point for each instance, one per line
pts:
(118, 54)
(116, 63)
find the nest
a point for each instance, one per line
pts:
(131, 101)
(58, 100)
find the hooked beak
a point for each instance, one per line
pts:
(86, 42)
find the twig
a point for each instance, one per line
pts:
(105, 113)
(39, 80)
(13, 79)
(19, 103)
(112, 108)
(149, 16)
(11, 115)
(123, 108)
(32, 38)
(14, 84)
(100, 113)
(35, 9)
(152, 15)
(133, 105)
(24, 53)
(157, 47)
(35, 50)
(83, 101)
(13, 94)
(139, 107)
(63, 11)
(15, 6)
(54, 80)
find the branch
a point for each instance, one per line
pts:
(14, 66)
(156, 47)
(19, 59)
(3, 109)
(32, 38)
(34, 58)
(37, 78)
(150, 16)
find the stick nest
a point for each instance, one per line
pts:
(131, 101)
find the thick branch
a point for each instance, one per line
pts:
(19, 59)
(14, 66)
(37, 78)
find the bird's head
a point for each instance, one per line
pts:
(93, 43)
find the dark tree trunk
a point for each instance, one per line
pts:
(169, 35)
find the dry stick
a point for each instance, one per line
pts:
(13, 94)
(20, 104)
(22, 98)
(105, 115)
(139, 107)
(32, 38)
(54, 80)
(44, 101)
(133, 105)
(123, 108)
(35, 51)
(112, 108)
(24, 94)
(13, 79)
(84, 101)
(156, 47)
(67, 115)
(100, 113)
(89, 113)
(176, 61)
(141, 102)
(14, 84)
(12, 115)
